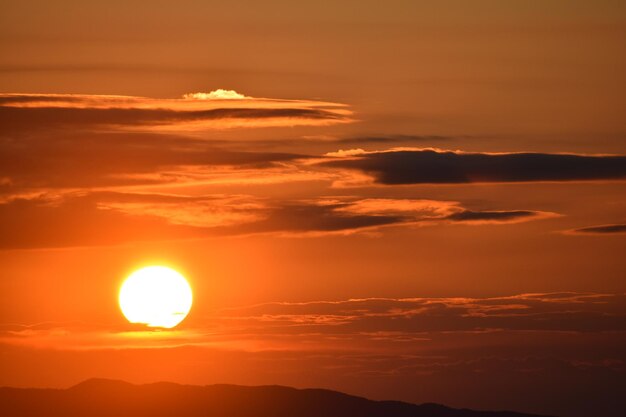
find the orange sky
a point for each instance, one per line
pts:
(409, 201)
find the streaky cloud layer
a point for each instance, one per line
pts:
(194, 112)
(374, 321)
(71, 218)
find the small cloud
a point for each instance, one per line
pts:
(218, 94)
(347, 152)
(606, 229)
(422, 209)
(206, 212)
(497, 217)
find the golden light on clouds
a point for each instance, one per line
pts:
(219, 94)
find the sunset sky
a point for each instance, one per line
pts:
(420, 201)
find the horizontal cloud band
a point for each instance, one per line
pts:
(427, 166)
(109, 218)
(28, 112)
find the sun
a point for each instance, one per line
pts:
(156, 296)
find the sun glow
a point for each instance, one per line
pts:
(156, 296)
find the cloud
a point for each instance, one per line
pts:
(428, 166)
(218, 94)
(83, 141)
(67, 160)
(422, 209)
(426, 212)
(194, 112)
(110, 218)
(347, 152)
(204, 211)
(341, 216)
(569, 311)
(82, 219)
(374, 321)
(314, 218)
(70, 218)
(495, 217)
(82, 170)
(606, 229)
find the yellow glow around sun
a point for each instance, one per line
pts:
(157, 296)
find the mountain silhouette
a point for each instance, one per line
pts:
(109, 398)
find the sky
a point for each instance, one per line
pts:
(419, 201)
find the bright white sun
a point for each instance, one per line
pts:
(156, 296)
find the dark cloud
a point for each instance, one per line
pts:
(607, 229)
(313, 218)
(492, 216)
(447, 167)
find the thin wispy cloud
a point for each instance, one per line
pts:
(496, 217)
(566, 311)
(373, 321)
